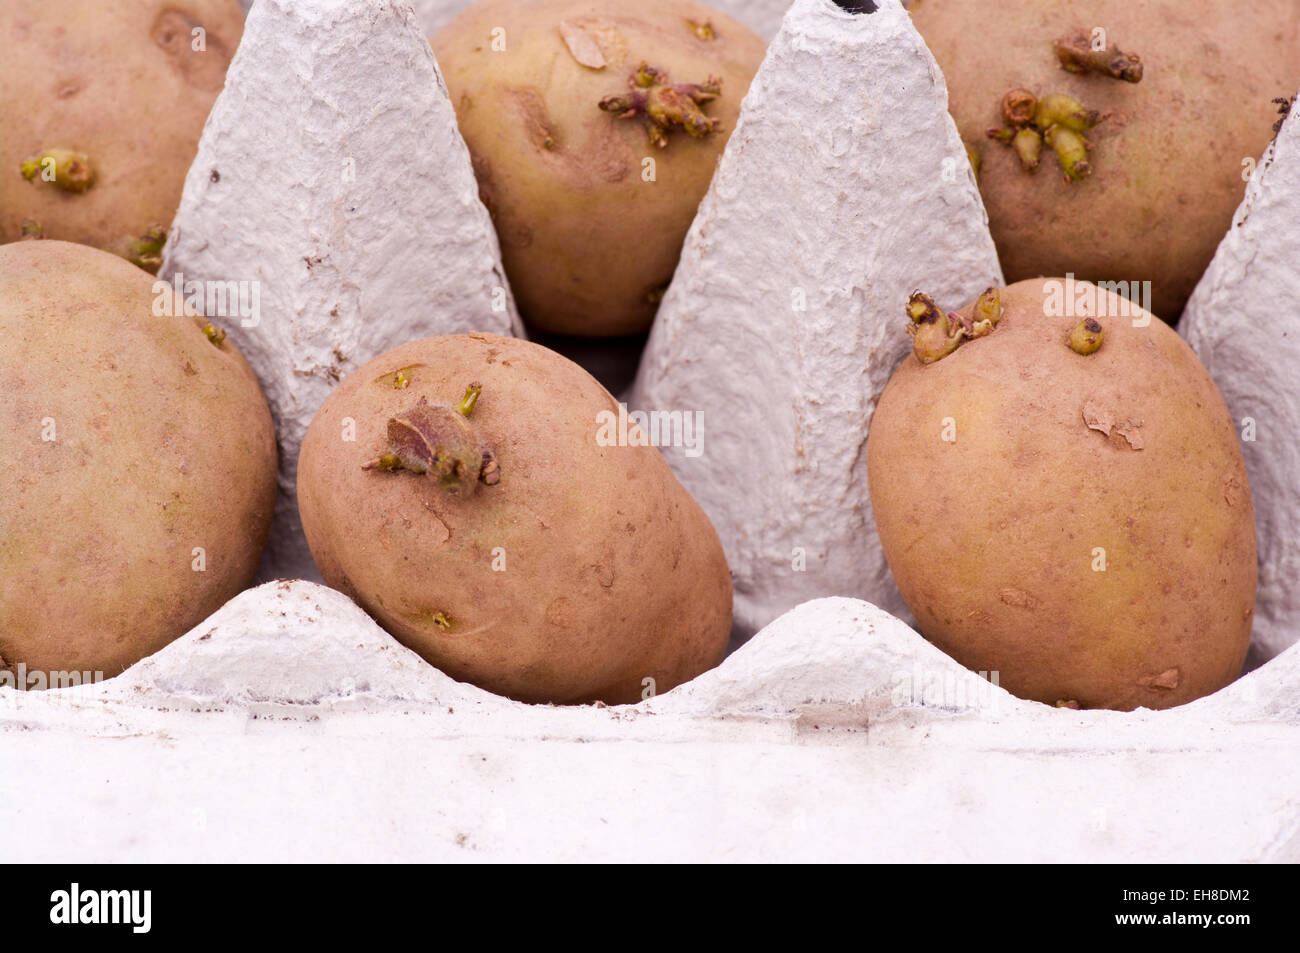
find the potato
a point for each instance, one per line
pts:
(116, 103)
(1080, 523)
(1169, 162)
(590, 227)
(527, 555)
(139, 472)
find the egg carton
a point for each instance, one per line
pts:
(289, 725)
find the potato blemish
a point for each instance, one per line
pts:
(1125, 434)
(200, 57)
(1166, 681)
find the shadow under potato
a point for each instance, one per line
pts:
(612, 361)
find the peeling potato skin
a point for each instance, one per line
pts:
(1167, 163)
(584, 240)
(164, 442)
(990, 538)
(120, 84)
(612, 572)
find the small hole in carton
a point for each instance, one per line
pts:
(857, 6)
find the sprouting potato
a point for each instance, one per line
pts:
(1062, 500)
(594, 129)
(139, 463)
(101, 109)
(1170, 102)
(461, 490)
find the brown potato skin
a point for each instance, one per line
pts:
(990, 538)
(1167, 163)
(613, 573)
(585, 241)
(95, 78)
(164, 443)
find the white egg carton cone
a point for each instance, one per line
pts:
(1241, 322)
(289, 726)
(331, 174)
(844, 188)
